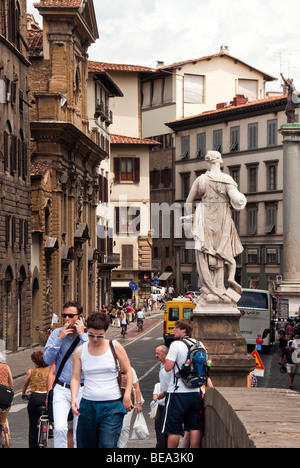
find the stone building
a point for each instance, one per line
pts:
(64, 161)
(246, 133)
(15, 238)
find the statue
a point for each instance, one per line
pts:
(292, 99)
(216, 238)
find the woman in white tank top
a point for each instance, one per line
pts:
(102, 408)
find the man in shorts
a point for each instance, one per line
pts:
(183, 404)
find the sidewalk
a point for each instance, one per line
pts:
(20, 361)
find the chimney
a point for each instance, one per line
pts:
(239, 100)
(159, 63)
(224, 49)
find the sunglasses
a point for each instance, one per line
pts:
(69, 315)
(91, 335)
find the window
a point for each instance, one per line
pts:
(234, 139)
(127, 169)
(252, 178)
(127, 220)
(253, 256)
(252, 136)
(252, 219)
(272, 175)
(217, 140)
(127, 256)
(272, 132)
(201, 145)
(272, 255)
(155, 178)
(271, 215)
(185, 184)
(185, 147)
(235, 173)
(157, 92)
(166, 177)
(193, 89)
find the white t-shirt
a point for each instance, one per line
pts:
(178, 352)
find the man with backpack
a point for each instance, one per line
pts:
(183, 401)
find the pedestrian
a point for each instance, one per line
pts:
(137, 402)
(183, 404)
(6, 379)
(57, 347)
(36, 378)
(290, 365)
(164, 380)
(282, 345)
(102, 407)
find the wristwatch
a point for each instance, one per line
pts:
(139, 403)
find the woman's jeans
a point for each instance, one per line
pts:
(99, 423)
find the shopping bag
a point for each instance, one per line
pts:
(153, 409)
(140, 430)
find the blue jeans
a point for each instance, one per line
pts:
(99, 423)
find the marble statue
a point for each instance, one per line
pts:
(292, 99)
(217, 242)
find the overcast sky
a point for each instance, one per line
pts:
(262, 33)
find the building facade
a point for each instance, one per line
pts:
(177, 91)
(15, 213)
(246, 134)
(65, 158)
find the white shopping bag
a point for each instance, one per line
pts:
(140, 430)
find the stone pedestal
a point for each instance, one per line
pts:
(218, 328)
(290, 286)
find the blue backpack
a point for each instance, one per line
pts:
(194, 373)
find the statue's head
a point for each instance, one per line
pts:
(214, 157)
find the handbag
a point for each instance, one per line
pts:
(62, 364)
(122, 378)
(6, 397)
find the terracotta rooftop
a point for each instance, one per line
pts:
(35, 43)
(121, 139)
(39, 168)
(248, 105)
(96, 66)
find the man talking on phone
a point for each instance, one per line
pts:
(59, 349)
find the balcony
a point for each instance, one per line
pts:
(129, 264)
(102, 111)
(108, 260)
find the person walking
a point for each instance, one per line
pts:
(37, 379)
(138, 401)
(102, 408)
(164, 380)
(6, 379)
(183, 404)
(57, 346)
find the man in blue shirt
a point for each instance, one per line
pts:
(56, 347)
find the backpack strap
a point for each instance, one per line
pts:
(66, 357)
(184, 340)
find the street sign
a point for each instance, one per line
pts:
(133, 286)
(259, 367)
(155, 282)
(146, 277)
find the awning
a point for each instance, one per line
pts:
(120, 284)
(165, 276)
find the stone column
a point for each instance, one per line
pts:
(217, 326)
(290, 286)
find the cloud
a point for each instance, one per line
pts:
(264, 34)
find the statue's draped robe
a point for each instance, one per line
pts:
(216, 239)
